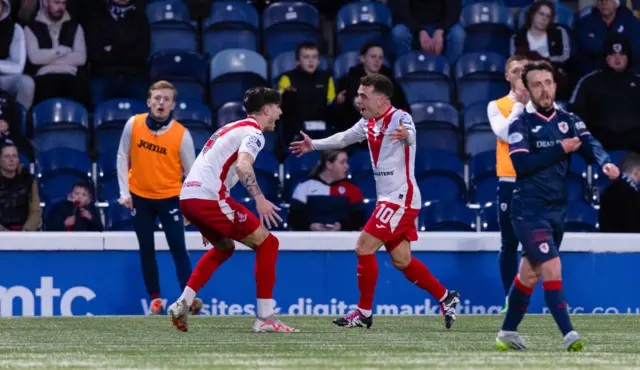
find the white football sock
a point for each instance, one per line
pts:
(265, 308)
(188, 295)
(366, 313)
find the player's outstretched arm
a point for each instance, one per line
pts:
(593, 151)
(266, 210)
(525, 162)
(340, 140)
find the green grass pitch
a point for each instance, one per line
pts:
(400, 342)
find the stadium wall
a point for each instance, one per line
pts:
(51, 274)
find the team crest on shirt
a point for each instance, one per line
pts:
(241, 217)
(563, 127)
(503, 206)
(342, 190)
(544, 248)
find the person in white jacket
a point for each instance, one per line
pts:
(13, 55)
(56, 46)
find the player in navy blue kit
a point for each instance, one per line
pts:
(541, 141)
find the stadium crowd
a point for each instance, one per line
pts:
(72, 72)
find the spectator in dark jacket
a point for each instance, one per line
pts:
(372, 61)
(541, 39)
(118, 42)
(327, 201)
(56, 47)
(77, 213)
(608, 100)
(19, 201)
(10, 126)
(620, 201)
(307, 94)
(591, 31)
(429, 25)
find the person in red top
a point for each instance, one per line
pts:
(327, 201)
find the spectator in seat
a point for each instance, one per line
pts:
(56, 47)
(76, 213)
(372, 61)
(19, 201)
(620, 201)
(541, 39)
(591, 31)
(10, 127)
(318, 203)
(307, 94)
(429, 25)
(13, 56)
(118, 42)
(608, 100)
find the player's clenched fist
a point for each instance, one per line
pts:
(267, 211)
(611, 170)
(571, 145)
(303, 146)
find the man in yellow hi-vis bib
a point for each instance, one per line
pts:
(501, 113)
(155, 152)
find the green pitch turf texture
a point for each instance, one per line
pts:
(400, 342)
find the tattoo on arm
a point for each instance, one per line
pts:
(248, 180)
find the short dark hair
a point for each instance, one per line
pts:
(371, 44)
(83, 185)
(306, 45)
(7, 144)
(528, 17)
(380, 83)
(535, 66)
(630, 161)
(256, 98)
(325, 156)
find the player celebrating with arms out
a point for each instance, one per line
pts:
(392, 143)
(227, 156)
(541, 141)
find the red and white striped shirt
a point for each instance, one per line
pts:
(214, 172)
(393, 163)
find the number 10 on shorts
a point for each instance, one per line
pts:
(384, 213)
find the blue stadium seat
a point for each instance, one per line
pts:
(24, 160)
(480, 77)
(581, 217)
(479, 136)
(267, 171)
(360, 22)
(58, 169)
(108, 187)
(369, 207)
(171, 26)
(586, 10)
(109, 118)
(447, 216)
(285, 62)
(578, 182)
(562, 105)
(488, 28)
(230, 25)
(60, 123)
(197, 118)
(564, 15)
(118, 218)
(361, 171)
(186, 70)
(424, 77)
(440, 176)
(232, 72)
(483, 183)
(230, 112)
(283, 213)
(22, 116)
(489, 218)
(437, 126)
(516, 3)
(297, 170)
(287, 24)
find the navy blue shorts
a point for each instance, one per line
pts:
(540, 234)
